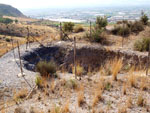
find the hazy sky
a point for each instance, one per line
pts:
(24, 4)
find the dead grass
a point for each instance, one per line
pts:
(122, 109)
(143, 83)
(20, 95)
(79, 70)
(65, 108)
(116, 67)
(124, 89)
(132, 77)
(129, 102)
(81, 98)
(97, 97)
(140, 100)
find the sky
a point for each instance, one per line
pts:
(33, 4)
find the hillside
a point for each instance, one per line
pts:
(8, 10)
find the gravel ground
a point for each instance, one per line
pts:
(10, 68)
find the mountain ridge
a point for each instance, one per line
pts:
(8, 10)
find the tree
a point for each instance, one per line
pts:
(101, 22)
(144, 19)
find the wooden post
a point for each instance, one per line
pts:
(75, 70)
(148, 58)
(21, 69)
(60, 30)
(90, 29)
(27, 40)
(13, 47)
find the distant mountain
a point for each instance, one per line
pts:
(8, 10)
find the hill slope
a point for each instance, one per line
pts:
(8, 10)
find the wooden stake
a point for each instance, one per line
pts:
(148, 58)
(90, 29)
(12, 42)
(21, 69)
(60, 30)
(75, 57)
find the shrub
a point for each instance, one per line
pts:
(144, 19)
(78, 29)
(142, 44)
(6, 20)
(101, 22)
(7, 40)
(68, 26)
(97, 35)
(136, 27)
(79, 70)
(38, 81)
(46, 68)
(122, 30)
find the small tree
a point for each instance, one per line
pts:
(101, 22)
(144, 19)
(68, 26)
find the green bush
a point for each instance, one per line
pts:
(123, 30)
(46, 68)
(68, 26)
(6, 20)
(136, 27)
(144, 19)
(78, 29)
(7, 40)
(101, 22)
(97, 35)
(142, 44)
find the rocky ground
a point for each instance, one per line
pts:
(96, 91)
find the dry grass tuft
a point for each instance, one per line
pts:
(116, 67)
(65, 108)
(97, 97)
(19, 110)
(20, 95)
(140, 100)
(132, 78)
(124, 89)
(52, 85)
(122, 109)
(143, 83)
(129, 102)
(79, 70)
(81, 98)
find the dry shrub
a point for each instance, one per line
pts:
(78, 29)
(116, 67)
(20, 95)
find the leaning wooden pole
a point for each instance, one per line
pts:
(75, 68)
(21, 69)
